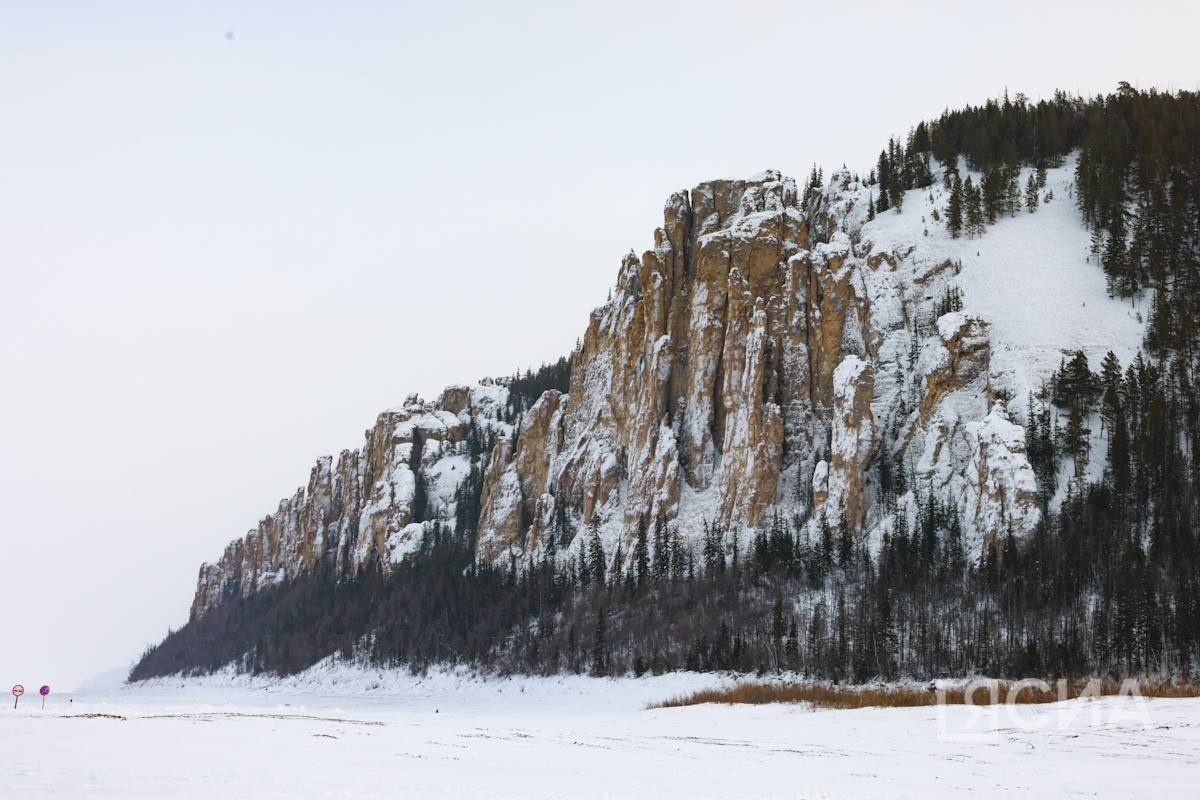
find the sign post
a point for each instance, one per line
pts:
(17, 691)
(45, 690)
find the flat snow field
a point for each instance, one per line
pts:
(456, 737)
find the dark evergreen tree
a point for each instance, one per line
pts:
(973, 208)
(954, 209)
(600, 643)
(883, 176)
(1116, 262)
(597, 567)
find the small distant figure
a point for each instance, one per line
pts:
(229, 36)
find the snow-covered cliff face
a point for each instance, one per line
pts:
(770, 353)
(767, 355)
(359, 511)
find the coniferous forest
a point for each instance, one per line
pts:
(1108, 585)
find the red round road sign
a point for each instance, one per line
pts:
(45, 690)
(18, 690)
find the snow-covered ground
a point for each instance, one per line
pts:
(345, 733)
(1029, 276)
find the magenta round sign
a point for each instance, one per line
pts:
(45, 690)
(18, 690)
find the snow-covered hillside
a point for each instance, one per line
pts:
(1031, 277)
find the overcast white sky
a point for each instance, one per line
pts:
(221, 257)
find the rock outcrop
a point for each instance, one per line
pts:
(772, 352)
(852, 442)
(361, 510)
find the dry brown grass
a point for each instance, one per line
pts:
(827, 695)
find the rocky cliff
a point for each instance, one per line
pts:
(774, 351)
(360, 511)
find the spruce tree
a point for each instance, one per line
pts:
(1110, 388)
(1031, 194)
(662, 555)
(992, 188)
(1118, 456)
(845, 542)
(600, 644)
(954, 209)
(777, 630)
(1076, 438)
(596, 552)
(825, 553)
(641, 557)
(1012, 194)
(973, 208)
(584, 570)
(883, 175)
(1116, 264)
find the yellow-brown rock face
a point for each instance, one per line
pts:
(763, 356)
